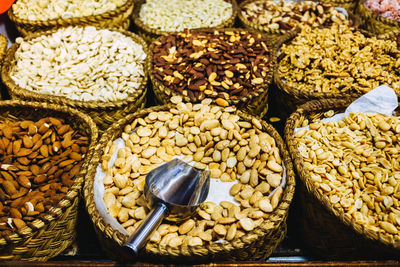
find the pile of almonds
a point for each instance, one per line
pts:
(221, 65)
(209, 137)
(39, 160)
(287, 15)
(355, 164)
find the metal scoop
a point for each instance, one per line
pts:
(174, 191)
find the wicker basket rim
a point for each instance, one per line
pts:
(70, 21)
(263, 87)
(317, 106)
(258, 27)
(21, 92)
(73, 192)
(142, 26)
(276, 217)
(309, 95)
(376, 16)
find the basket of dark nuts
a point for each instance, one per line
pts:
(44, 150)
(32, 16)
(230, 66)
(350, 183)
(244, 216)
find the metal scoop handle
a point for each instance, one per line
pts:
(130, 249)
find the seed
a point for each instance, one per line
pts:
(235, 189)
(231, 162)
(186, 227)
(272, 165)
(220, 229)
(246, 224)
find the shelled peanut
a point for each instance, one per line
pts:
(287, 15)
(232, 148)
(39, 160)
(355, 164)
(214, 64)
(338, 59)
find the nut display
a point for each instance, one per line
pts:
(85, 64)
(39, 160)
(389, 9)
(45, 10)
(287, 15)
(177, 15)
(232, 148)
(354, 163)
(338, 59)
(223, 65)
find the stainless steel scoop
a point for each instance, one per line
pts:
(174, 191)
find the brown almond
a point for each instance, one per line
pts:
(66, 162)
(40, 179)
(75, 156)
(25, 124)
(27, 141)
(37, 145)
(7, 132)
(63, 129)
(32, 129)
(52, 170)
(56, 146)
(9, 187)
(55, 121)
(6, 142)
(35, 169)
(22, 192)
(43, 128)
(17, 146)
(23, 160)
(24, 152)
(2, 146)
(6, 175)
(45, 167)
(39, 207)
(19, 223)
(75, 170)
(44, 151)
(33, 213)
(15, 213)
(24, 181)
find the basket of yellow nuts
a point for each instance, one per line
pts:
(30, 16)
(251, 187)
(349, 171)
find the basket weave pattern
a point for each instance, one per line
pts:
(325, 228)
(118, 18)
(51, 233)
(103, 113)
(258, 243)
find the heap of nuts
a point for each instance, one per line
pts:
(45, 10)
(80, 63)
(177, 15)
(210, 137)
(39, 160)
(287, 15)
(389, 9)
(355, 164)
(221, 65)
(338, 59)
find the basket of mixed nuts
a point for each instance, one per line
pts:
(275, 19)
(379, 16)
(349, 169)
(154, 18)
(45, 150)
(31, 16)
(99, 71)
(333, 62)
(244, 219)
(231, 66)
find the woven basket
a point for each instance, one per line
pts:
(326, 230)
(51, 233)
(3, 50)
(102, 113)
(257, 244)
(375, 23)
(274, 35)
(150, 34)
(289, 98)
(118, 18)
(255, 103)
